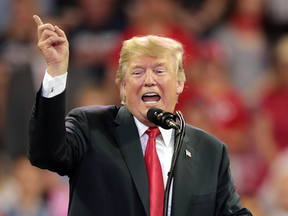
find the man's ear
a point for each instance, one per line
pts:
(123, 88)
(180, 87)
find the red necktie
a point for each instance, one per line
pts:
(156, 184)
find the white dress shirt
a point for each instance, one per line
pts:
(53, 86)
(164, 142)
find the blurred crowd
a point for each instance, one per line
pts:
(236, 66)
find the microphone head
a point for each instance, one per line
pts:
(160, 117)
(153, 114)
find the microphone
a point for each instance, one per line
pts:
(164, 119)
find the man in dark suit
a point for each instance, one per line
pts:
(102, 148)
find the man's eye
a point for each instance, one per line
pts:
(160, 71)
(136, 72)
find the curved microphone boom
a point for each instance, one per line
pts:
(164, 119)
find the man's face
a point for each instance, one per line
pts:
(150, 82)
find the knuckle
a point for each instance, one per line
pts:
(48, 25)
(45, 27)
(45, 31)
(48, 32)
(39, 45)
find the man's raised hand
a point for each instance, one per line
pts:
(54, 46)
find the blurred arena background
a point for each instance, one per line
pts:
(236, 65)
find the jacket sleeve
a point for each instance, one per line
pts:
(228, 201)
(51, 146)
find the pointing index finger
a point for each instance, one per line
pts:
(37, 20)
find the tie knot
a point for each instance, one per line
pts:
(153, 132)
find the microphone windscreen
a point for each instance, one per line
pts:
(152, 115)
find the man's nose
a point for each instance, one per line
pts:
(149, 78)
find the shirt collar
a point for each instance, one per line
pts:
(166, 134)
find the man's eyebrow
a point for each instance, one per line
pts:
(136, 65)
(157, 64)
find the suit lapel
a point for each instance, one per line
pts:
(183, 179)
(130, 147)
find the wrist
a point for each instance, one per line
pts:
(55, 71)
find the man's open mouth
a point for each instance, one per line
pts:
(150, 98)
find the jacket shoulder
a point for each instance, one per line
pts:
(203, 139)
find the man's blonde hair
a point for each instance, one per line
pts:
(152, 45)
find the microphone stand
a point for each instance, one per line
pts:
(179, 138)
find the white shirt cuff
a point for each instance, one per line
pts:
(53, 86)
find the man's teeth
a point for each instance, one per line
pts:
(151, 94)
(148, 98)
(150, 102)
